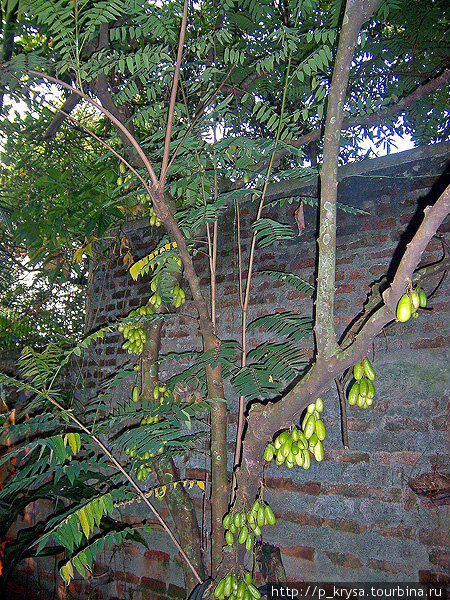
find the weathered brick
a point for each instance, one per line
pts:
(157, 555)
(153, 584)
(441, 558)
(437, 342)
(402, 532)
(287, 485)
(399, 423)
(349, 457)
(301, 518)
(389, 566)
(439, 536)
(174, 591)
(304, 552)
(344, 559)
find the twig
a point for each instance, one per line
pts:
(173, 96)
(341, 394)
(108, 114)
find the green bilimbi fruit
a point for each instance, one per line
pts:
(319, 405)
(353, 393)
(135, 395)
(229, 538)
(270, 517)
(310, 426)
(243, 534)
(306, 459)
(226, 521)
(415, 300)
(279, 441)
(219, 588)
(404, 308)
(363, 387)
(320, 430)
(358, 371)
(369, 371)
(268, 452)
(422, 297)
(318, 451)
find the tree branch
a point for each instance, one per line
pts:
(356, 13)
(375, 118)
(263, 420)
(120, 126)
(59, 118)
(173, 96)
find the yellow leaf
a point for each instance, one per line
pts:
(201, 485)
(78, 255)
(127, 260)
(84, 522)
(136, 209)
(72, 442)
(65, 573)
(122, 209)
(88, 249)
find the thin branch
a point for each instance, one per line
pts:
(110, 116)
(130, 480)
(343, 404)
(58, 119)
(197, 116)
(173, 96)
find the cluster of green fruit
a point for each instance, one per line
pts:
(235, 588)
(122, 170)
(247, 524)
(293, 446)
(154, 221)
(362, 391)
(409, 303)
(160, 392)
(178, 295)
(150, 419)
(143, 470)
(134, 335)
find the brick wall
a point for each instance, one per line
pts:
(352, 517)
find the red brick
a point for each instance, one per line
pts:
(308, 487)
(434, 537)
(157, 555)
(350, 457)
(401, 423)
(301, 518)
(357, 274)
(347, 560)
(402, 532)
(346, 525)
(389, 567)
(359, 425)
(129, 577)
(433, 577)
(346, 288)
(304, 552)
(176, 591)
(349, 490)
(153, 584)
(438, 342)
